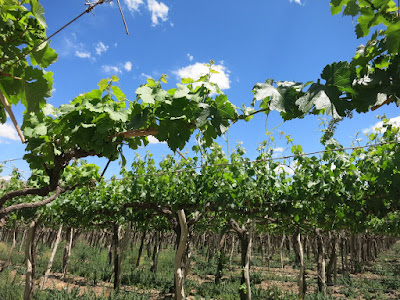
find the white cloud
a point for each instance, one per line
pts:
(153, 140)
(145, 76)
(111, 69)
(128, 66)
(100, 48)
(7, 131)
(190, 57)
(378, 126)
(82, 54)
(279, 149)
(158, 11)
(117, 69)
(197, 70)
(133, 5)
(5, 178)
(296, 1)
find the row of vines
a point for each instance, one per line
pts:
(346, 196)
(340, 199)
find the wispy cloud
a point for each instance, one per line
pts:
(117, 69)
(133, 5)
(190, 57)
(82, 54)
(296, 1)
(379, 125)
(145, 76)
(197, 70)
(111, 69)
(158, 11)
(7, 131)
(128, 66)
(100, 48)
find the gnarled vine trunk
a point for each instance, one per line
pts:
(67, 250)
(321, 274)
(245, 237)
(180, 261)
(221, 258)
(30, 259)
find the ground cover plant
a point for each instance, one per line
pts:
(378, 280)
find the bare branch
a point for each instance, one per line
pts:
(19, 206)
(136, 133)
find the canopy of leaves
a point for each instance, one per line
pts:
(22, 32)
(367, 82)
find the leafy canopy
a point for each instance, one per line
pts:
(22, 32)
(367, 82)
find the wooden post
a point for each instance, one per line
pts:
(302, 273)
(53, 254)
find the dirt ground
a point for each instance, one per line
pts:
(285, 279)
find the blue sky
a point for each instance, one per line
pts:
(251, 42)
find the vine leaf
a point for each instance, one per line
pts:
(38, 12)
(44, 55)
(281, 98)
(393, 38)
(145, 93)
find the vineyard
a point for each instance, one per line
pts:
(205, 223)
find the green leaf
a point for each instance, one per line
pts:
(3, 116)
(121, 116)
(182, 91)
(35, 88)
(225, 109)
(337, 5)
(393, 38)
(103, 84)
(351, 9)
(282, 98)
(204, 114)
(40, 129)
(151, 82)
(118, 93)
(38, 12)
(339, 74)
(364, 21)
(187, 80)
(44, 55)
(164, 78)
(145, 93)
(316, 97)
